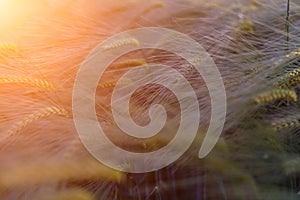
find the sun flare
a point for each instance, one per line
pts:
(14, 13)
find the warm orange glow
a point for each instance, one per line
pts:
(15, 12)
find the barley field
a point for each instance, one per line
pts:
(255, 45)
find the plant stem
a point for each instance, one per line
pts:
(287, 24)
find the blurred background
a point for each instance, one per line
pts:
(254, 43)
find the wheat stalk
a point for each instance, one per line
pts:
(52, 172)
(286, 123)
(287, 58)
(275, 94)
(245, 25)
(291, 82)
(288, 76)
(129, 63)
(113, 83)
(279, 63)
(120, 43)
(7, 49)
(40, 83)
(45, 112)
